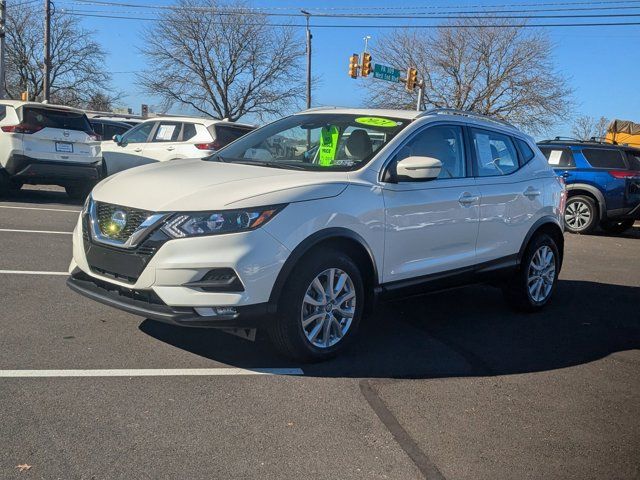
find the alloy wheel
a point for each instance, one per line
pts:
(577, 215)
(541, 274)
(328, 308)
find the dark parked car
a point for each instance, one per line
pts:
(603, 183)
(108, 128)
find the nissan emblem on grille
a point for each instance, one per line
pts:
(116, 224)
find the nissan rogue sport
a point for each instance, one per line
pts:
(299, 227)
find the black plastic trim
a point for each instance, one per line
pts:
(51, 171)
(306, 245)
(248, 316)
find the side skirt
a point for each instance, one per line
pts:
(493, 271)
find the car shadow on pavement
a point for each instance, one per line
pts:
(463, 332)
(41, 196)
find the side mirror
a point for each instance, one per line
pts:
(418, 168)
(117, 139)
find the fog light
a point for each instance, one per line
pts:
(218, 280)
(216, 311)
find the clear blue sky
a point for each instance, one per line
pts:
(602, 63)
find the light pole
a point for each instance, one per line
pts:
(3, 11)
(47, 51)
(309, 37)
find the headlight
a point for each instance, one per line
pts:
(87, 204)
(197, 224)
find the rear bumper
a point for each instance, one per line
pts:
(33, 170)
(148, 305)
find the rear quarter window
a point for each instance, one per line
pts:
(604, 158)
(633, 157)
(558, 157)
(51, 118)
(525, 150)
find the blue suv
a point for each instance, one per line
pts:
(603, 183)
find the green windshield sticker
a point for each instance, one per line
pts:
(377, 122)
(329, 136)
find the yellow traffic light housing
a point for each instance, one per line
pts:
(354, 65)
(366, 64)
(412, 78)
(24, 96)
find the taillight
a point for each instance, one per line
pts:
(563, 195)
(94, 136)
(21, 128)
(215, 145)
(623, 173)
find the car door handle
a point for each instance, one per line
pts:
(137, 149)
(171, 149)
(531, 193)
(467, 199)
(566, 174)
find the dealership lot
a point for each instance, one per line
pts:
(450, 386)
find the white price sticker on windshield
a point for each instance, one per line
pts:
(165, 132)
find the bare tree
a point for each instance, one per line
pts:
(77, 61)
(586, 127)
(498, 69)
(223, 63)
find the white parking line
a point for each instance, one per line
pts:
(32, 272)
(149, 372)
(15, 230)
(43, 209)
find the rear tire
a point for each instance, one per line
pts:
(617, 226)
(315, 322)
(581, 214)
(532, 286)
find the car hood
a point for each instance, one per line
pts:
(193, 185)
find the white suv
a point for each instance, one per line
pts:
(300, 226)
(169, 138)
(47, 144)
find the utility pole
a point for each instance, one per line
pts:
(309, 37)
(3, 32)
(47, 51)
(420, 95)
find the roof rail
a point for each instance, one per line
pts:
(465, 113)
(596, 140)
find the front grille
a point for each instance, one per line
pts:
(134, 218)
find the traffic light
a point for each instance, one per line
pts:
(366, 64)
(24, 96)
(412, 78)
(144, 110)
(353, 66)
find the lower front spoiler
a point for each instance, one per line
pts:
(148, 305)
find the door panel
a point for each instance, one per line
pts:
(431, 226)
(131, 152)
(164, 144)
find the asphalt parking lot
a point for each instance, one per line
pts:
(452, 386)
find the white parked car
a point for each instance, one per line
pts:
(300, 236)
(47, 144)
(168, 138)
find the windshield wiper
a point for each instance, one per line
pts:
(268, 164)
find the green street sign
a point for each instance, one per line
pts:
(384, 72)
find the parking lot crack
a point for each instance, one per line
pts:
(401, 436)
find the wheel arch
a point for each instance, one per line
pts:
(341, 239)
(574, 189)
(551, 227)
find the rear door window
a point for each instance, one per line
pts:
(495, 153)
(51, 118)
(604, 158)
(167, 132)
(558, 157)
(224, 134)
(188, 131)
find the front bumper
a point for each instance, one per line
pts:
(148, 305)
(33, 170)
(165, 277)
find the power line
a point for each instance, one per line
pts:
(421, 26)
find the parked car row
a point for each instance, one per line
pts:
(58, 145)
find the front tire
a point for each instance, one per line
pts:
(581, 214)
(533, 285)
(617, 226)
(320, 308)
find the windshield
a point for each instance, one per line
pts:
(315, 141)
